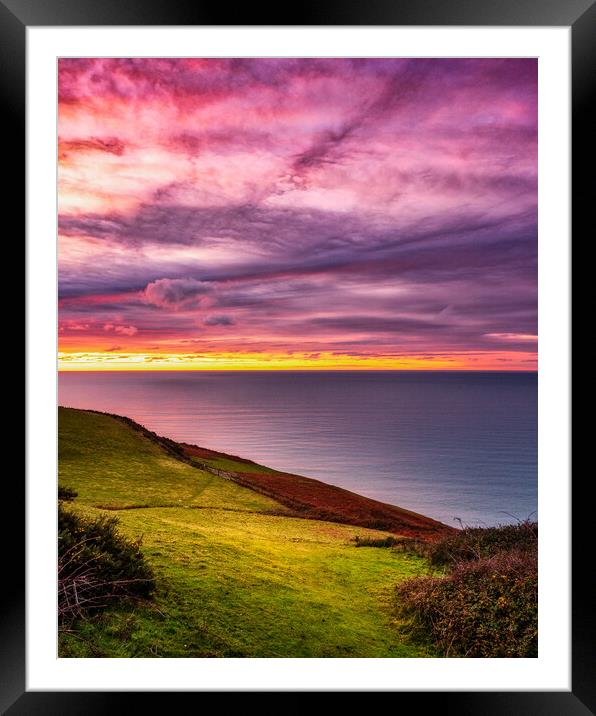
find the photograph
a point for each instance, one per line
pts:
(298, 376)
(297, 357)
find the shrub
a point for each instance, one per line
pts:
(487, 604)
(484, 608)
(413, 545)
(67, 494)
(97, 565)
(372, 542)
(473, 543)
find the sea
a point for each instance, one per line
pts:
(460, 447)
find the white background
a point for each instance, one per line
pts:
(551, 670)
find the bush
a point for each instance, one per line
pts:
(487, 605)
(473, 543)
(67, 494)
(97, 565)
(373, 542)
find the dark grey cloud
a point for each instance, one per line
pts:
(218, 321)
(468, 268)
(375, 323)
(308, 237)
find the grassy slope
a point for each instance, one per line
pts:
(318, 500)
(237, 574)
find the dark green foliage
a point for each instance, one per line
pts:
(97, 565)
(66, 494)
(487, 604)
(372, 542)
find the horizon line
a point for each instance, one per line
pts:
(299, 370)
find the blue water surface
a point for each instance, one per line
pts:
(449, 445)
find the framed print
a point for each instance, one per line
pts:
(298, 354)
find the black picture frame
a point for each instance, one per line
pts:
(580, 16)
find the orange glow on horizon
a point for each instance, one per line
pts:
(102, 361)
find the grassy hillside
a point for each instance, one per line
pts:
(314, 499)
(237, 574)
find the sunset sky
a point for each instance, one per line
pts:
(297, 213)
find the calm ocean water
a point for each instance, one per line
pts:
(448, 445)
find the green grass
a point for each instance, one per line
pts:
(235, 575)
(112, 466)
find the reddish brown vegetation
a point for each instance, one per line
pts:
(196, 451)
(308, 498)
(487, 604)
(317, 500)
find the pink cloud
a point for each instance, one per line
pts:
(365, 204)
(181, 293)
(120, 329)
